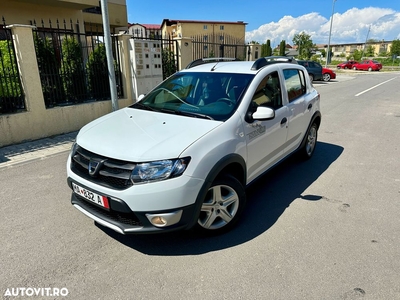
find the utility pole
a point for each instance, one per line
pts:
(110, 62)
(328, 54)
(366, 40)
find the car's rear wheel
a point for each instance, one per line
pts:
(223, 204)
(354, 68)
(311, 77)
(311, 141)
(326, 77)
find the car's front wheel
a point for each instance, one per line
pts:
(326, 77)
(222, 206)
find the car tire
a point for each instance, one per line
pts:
(311, 77)
(222, 206)
(310, 142)
(354, 68)
(369, 69)
(326, 77)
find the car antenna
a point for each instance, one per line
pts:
(213, 68)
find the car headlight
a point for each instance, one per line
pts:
(159, 170)
(73, 148)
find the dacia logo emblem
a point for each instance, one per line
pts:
(94, 166)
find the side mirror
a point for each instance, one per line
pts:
(263, 113)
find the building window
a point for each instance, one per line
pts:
(221, 27)
(205, 27)
(93, 10)
(206, 38)
(221, 37)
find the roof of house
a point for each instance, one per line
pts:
(147, 26)
(171, 22)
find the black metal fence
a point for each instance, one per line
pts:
(12, 97)
(214, 45)
(72, 65)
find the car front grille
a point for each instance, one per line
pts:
(110, 172)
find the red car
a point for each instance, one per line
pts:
(368, 65)
(328, 74)
(347, 64)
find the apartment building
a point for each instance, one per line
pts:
(85, 12)
(151, 31)
(208, 29)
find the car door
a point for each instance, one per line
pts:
(266, 138)
(298, 105)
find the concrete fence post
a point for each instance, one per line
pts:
(184, 51)
(124, 47)
(28, 67)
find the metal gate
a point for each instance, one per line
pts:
(207, 46)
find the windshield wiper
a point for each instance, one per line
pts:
(187, 114)
(196, 115)
(142, 106)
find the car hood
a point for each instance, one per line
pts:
(138, 135)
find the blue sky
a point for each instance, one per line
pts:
(353, 21)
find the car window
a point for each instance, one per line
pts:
(268, 92)
(210, 94)
(295, 83)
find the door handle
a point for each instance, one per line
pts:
(309, 106)
(284, 120)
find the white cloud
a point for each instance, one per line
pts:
(349, 27)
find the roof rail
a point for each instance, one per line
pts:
(263, 61)
(202, 61)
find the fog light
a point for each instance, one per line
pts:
(165, 219)
(158, 221)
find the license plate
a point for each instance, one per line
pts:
(91, 196)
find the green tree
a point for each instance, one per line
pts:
(370, 51)
(10, 89)
(357, 55)
(266, 49)
(49, 69)
(99, 82)
(73, 70)
(168, 63)
(282, 48)
(304, 44)
(9, 76)
(395, 50)
(269, 49)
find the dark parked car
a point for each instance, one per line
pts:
(347, 64)
(313, 68)
(368, 65)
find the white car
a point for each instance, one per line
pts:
(182, 156)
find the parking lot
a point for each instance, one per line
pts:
(327, 228)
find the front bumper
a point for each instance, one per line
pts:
(121, 219)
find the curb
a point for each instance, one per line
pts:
(38, 149)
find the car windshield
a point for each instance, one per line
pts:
(208, 95)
